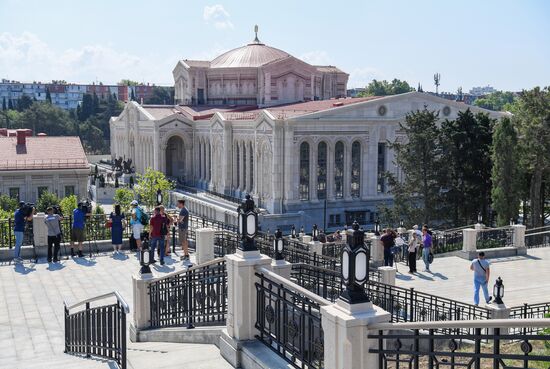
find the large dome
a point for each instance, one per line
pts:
(252, 55)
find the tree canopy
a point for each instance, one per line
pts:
(384, 88)
(498, 101)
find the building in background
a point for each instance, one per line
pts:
(31, 165)
(481, 91)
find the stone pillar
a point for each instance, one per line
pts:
(469, 240)
(282, 268)
(305, 238)
(39, 230)
(241, 302)
(518, 238)
(377, 251)
(345, 334)
(205, 245)
(316, 247)
(498, 311)
(142, 306)
(387, 275)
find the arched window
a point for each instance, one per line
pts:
(339, 170)
(238, 170)
(251, 168)
(304, 171)
(244, 167)
(356, 169)
(322, 171)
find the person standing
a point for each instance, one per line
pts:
(482, 272)
(117, 225)
(78, 231)
(166, 230)
(183, 226)
(156, 223)
(413, 246)
(54, 234)
(19, 221)
(135, 223)
(426, 247)
(388, 241)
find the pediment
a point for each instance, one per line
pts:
(264, 126)
(290, 64)
(175, 122)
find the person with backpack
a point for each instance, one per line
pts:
(426, 247)
(137, 220)
(482, 272)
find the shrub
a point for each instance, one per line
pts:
(47, 199)
(124, 197)
(68, 204)
(7, 203)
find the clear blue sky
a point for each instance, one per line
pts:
(471, 43)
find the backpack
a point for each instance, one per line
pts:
(143, 217)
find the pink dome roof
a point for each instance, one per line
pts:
(252, 55)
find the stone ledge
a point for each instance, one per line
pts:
(256, 355)
(497, 252)
(203, 335)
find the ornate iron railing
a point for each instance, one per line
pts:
(495, 237)
(530, 311)
(98, 331)
(197, 296)
(289, 320)
(447, 241)
(537, 239)
(414, 345)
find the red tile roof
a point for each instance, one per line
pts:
(43, 152)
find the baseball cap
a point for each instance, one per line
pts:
(134, 202)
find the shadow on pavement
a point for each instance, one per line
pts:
(85, 262)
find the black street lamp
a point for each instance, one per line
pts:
(401, 223)
(315, 233)
(302, 231)
(293, 232)
(279, 245)
(498, 291)
(512, 222)
(159, 197)
(145, 259)
(248, 225)
(479, 218)
(355, 267)
(377, 227)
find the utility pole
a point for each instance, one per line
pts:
(437, 82)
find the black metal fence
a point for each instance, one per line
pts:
(496, 237)
(398, 348)
(447, 241)
(289, 322)
(97, 331)
(530, 311)
(537, 239)
(197, 296)
(7, 236)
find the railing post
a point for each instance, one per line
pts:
(88, 330)
(411, 305)
(387, 275)
(377, 251)
(122, 337)
(204, 244)
(469, 242)
(518, 239)
(39, 230)
(142, 304)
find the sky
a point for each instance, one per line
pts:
(505, 44)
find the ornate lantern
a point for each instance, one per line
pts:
(377, 227)
(278, 245)
(159, 197)
(498, 291)
(315, 233)
(145, 259)
(302, 231)
(248, 225)
(355, 267)
(293, 232)
(512, 222)
(479, 218)
(401, 223)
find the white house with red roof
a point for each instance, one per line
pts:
(306, 162)
(31, 165)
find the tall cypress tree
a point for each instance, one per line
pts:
(4, 106)
(48, 96)
(505, 173)
(10, 104)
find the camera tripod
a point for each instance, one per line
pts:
(92, 240)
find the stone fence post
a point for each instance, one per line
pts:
(387, 275)
(142, 304)
(39, 230)
(469, 242)
(518, 238)
(377, 251)
(205, 245)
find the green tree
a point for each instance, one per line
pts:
(417, 195)
(46, 199)
(4, 105)
(10, 104)
(7, 203)
(532, 118)
(384, 88)
(95, 103)
(48, 96)
(123, 197)
(23, 103)
(505, 174)
(87, 108)
(148, 184)
(98, 210)
(161, 96)
(498, 101)
(46, 118)
(127, 82)
(68, 204)
(132, 95)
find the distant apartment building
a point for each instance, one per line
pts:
(69, 95)
(481, 91)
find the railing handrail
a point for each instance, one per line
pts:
(453, 324)
(538, 233)
(495, 229)
(190, 269)
(116, 294)
(293, 286)
(535, 228)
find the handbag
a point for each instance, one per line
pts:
(109, 224)
(430, 258)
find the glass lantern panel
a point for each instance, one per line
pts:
(280, 245)
(361, 267)
(241, 230)
(251, 224)
(345, 265)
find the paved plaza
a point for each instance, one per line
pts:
(526, 278)
(32, 320)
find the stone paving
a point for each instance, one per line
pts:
(526, 278)
(32, 320)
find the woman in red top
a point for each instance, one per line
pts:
(158, 226)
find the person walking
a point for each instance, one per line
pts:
(413, 246)
(157, 223)
(78, 231)
(54, 234)
(426, 247)
(116, 219)
(166, 230)
(135, 223)
(19, 221)
(183, 226)
(388, 241)
(482, 272)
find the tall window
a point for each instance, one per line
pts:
(251, 168)
(244, 166)
(339, 170)
(69, 191)
(381, 167)
(322, 171)
(356, 169)
(14, 193)
(42, 190)
(304, 171)
(238, 159)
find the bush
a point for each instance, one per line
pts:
(7, 203)
(124, 197)
(98, 209)
(68, 204)
(47, 199)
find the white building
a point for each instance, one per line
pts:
(305, 162)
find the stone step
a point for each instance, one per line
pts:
(202, 335)
(256, 355)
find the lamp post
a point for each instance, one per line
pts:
(293, 232)
(279, 245)
(479, 218)
(145, 259)
(159, 197)
(498, 291)
(377, 227)
(315, 233)
(355, 267)
(512, 222)
(248, 225)
(401, 223)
